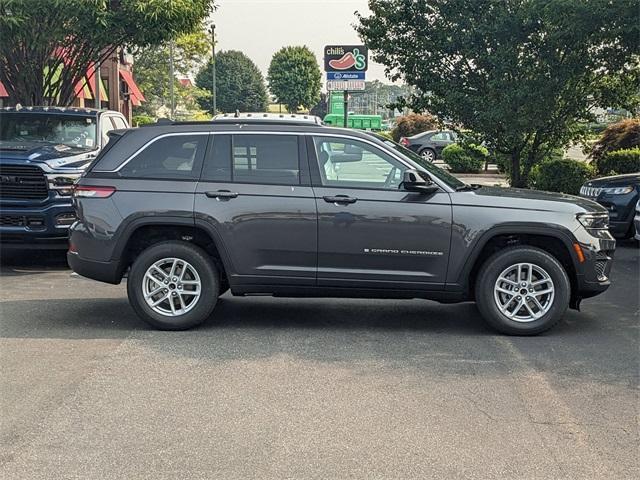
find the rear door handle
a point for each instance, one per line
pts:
(222, 194)
(340, 199)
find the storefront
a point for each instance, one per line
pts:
(118, 89)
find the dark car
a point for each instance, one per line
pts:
(429, 145)
(43, 151)
(619, 195)
(293, 208)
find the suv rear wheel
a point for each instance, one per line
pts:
(173, 285)
(522, 291)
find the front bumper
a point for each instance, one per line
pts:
(592, 275)
(35, 226)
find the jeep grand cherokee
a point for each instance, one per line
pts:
(287, 207)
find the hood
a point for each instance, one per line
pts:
(54, 155)
(615, 181)
(523, 199)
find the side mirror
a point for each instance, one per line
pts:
(412, 181)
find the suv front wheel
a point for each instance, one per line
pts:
(173, 285)
(522, 291)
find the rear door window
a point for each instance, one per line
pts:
(176, 157)
(266, 159)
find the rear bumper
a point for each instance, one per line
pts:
(109, 272)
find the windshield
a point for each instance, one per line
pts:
(69, 130)
(429, 167)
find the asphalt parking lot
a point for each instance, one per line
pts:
(320, 388)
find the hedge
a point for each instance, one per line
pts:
(619, 162)
(139, 120)
(561, 175)
(468, 158)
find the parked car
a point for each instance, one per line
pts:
(619, 194)
(43, 151)
(292, 208)
(429, 145)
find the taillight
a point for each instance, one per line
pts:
(87, 191)
(404, 141)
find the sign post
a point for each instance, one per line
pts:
(346, 67)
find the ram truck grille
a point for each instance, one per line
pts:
(18, 182)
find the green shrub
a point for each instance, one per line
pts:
(465, 158)
(412, 124)
(619, 162)
(139, 120)
(561, 175)
(386, 134)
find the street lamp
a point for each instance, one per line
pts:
(171, 80)
(213, 67)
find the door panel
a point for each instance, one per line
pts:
(371, 233)
(390, 239)
(269, 231)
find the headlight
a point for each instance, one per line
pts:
(594, 221)
(62, 183)
(618, 190)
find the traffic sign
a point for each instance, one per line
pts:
(345, 85)
(345, 75)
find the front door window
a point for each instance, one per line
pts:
(354, 164)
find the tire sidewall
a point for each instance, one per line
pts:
(199, 260)
(496, 265)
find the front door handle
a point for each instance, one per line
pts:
(221, 194)
(340, 199)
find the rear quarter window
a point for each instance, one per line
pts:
(176, 157)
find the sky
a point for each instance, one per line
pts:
(259, 28)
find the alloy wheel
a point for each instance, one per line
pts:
(524, 292)
(171, 287)
(428, 155)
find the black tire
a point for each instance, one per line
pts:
(496, 264)
(426, 151)
(199, 260)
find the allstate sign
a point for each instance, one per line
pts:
(345, 75)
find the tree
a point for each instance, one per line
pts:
(152, 70)
(617, 136)
(54, 42)
(239, 84)
(321, 108)
(521, 73)
(412, 124)
(294, 78)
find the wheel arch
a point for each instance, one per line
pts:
(557, 241)
(144, 232)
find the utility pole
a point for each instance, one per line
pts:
(213, 68)
(171, 80)
(346, 108)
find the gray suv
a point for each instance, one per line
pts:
(287, 207)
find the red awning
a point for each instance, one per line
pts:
(3, 91)
(91, 74)
(136, 94)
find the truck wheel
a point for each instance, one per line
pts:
(173, 285)
(522, 291)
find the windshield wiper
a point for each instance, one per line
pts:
(468, 187)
